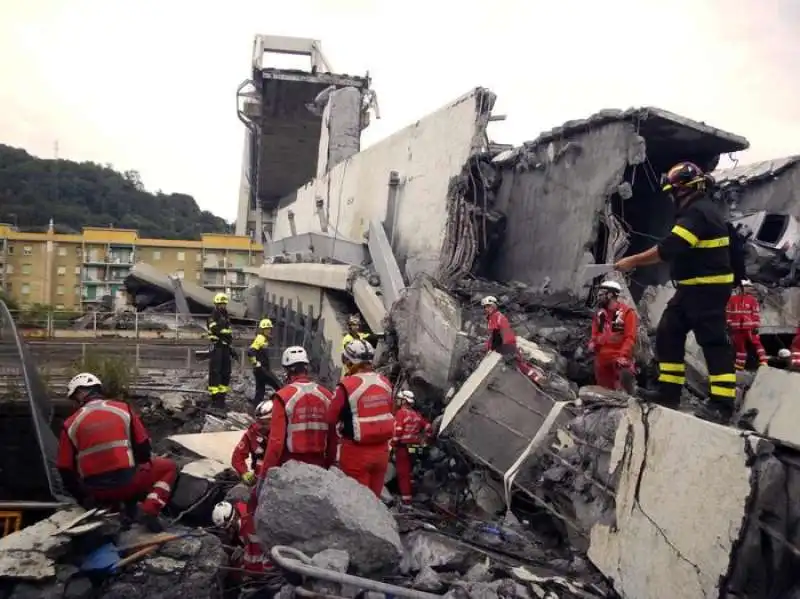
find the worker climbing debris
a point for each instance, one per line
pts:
(299, 430)
(744, 320)
(104, 455)
(361, 412)
(219, 361)
(698, 252)
(411, 433)
(253, 444)
(614, 330)
(258, 355)
(238, 526)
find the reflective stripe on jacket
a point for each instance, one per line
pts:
(100, 432)
(306, 406)
(369, 396)
(410, 427)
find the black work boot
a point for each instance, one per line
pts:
(657, 397)
(716, 410)
(217, 404)
(152, 522)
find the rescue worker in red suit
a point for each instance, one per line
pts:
(360, 415)
(253, 444)
(614, 329)
(299, 430)
(104, 455)
(744, 318)
(794, 352)
(501, 336)
(411, 433)
(239, 524)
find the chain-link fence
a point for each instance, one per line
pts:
(28, 460)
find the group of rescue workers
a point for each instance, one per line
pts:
(105, 454)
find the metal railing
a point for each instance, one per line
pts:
(145, 326)
(21, 374)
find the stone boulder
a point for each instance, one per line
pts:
(313, 509)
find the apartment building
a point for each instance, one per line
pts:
(75, 272)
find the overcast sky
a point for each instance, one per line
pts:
(150, 84)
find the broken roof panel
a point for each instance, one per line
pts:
(653, 124)
(747, 174)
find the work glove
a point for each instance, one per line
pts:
(249, 478)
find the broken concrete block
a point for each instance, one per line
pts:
(313, 509)
(681, 501)
(30, 553)
(774, 394)
(334, 560)
(429, 549)
(427, 320)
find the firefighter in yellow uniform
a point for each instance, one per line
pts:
(259, 360)
(354, 331)
(219, 359)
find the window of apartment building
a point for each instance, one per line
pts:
(180, 274)
(77, 289)
(11, 249)
(156, 255)
(197, 275)
(26, 269)
(9, 269)
(79, 252)
(61, 271)
(198, 257)
(181, 256)
(77, 270)
(25, 289)
(62, 250)
(60, 306)
(27, 250)
(60, 290)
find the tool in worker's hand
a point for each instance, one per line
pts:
(590, 271)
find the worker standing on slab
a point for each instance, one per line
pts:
(104, 454)
(614, 330)
(744, 320)
(698, 252)
(259, 360)
(219, 360)
(253, 444)
(238, 522)
(501, 336)
(361, 419)
(299, 430)
(411, 433)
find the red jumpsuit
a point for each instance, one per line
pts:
(252, 445)
(104, 452)
(411, 431)
(362, 410)
(613, 338)
(501, 336)
(795, 349)
(744, 318)
(254, 560)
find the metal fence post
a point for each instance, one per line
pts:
(50, 326)
(94, 322)
(188, 359)
(83, 353)
(177, 327)
(138, 366)
(136, 325)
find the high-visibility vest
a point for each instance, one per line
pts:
(369, 396)
(100, 432)
(410, 427)
(306, 407)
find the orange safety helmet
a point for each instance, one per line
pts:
(684, 178)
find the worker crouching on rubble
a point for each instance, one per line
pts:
(259, 360)
(698, 251)
(744, 319)
(104, 455)
(614, 328)
(239, 525)
(361, 412)
(501, 336)
(219, 360)
(253, 444)
(411, 434)
(299, 430)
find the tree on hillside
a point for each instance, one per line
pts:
(80, 194)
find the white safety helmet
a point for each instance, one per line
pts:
(294, 355)
(406, 396)
(358, 351)
(612, 286)
(82, 381)
(489, 300)
(223, 515)
(264, 410)
(747, 283)
(784, 353)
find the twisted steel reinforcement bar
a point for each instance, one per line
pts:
(25, 376)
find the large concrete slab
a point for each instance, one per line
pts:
(385, 264)
(309, 296)
(214, 446)
(427, 320)
(681, 503)
(321, 246)
(426, 155)
(774, 393)
(332, 276)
